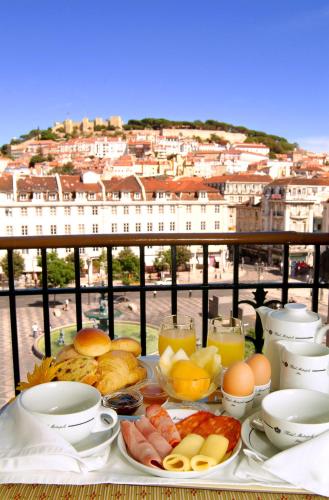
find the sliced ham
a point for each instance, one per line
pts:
(153, 436)
(138, 446)
(161, 420)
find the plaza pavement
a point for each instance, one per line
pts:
(31, 311)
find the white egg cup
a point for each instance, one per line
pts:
(260, 392)
(237, 406)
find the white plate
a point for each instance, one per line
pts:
(256, 440)
(96, 441)
(176, 415)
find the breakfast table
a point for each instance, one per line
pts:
(120, 480)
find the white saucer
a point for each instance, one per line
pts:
(256, 440)
(96, 441)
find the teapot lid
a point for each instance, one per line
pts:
(296, 313)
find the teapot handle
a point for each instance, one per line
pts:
(320, 334)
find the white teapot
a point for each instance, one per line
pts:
(292, 323)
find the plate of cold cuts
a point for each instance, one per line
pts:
(179, 443)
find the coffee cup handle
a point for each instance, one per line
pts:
(320, 334)
(105, 420)
(257, 423)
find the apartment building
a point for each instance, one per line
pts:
(72, 204)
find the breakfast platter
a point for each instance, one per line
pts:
(177, 415)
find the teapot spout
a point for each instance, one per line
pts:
(264, 312)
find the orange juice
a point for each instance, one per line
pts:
(177, 339)
(230, 347)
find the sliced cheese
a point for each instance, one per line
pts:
(190, 445)
(176, 462)
(202, 462)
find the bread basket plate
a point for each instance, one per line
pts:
(176, 415)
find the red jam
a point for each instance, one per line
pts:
(153, 393)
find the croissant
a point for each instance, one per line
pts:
(118, 371)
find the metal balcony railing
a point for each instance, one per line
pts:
(234, 241)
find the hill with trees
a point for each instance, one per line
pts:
(276, 143)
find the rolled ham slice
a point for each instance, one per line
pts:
(161, 420)
(153, 436)
(138, 446)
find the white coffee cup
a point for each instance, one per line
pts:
(304, 365)
(292, 416)
(72, 409)
(237, 406)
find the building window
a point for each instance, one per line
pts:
(137, 196)
(9, 212)
(52, 210)
(149, 226)
(161, 226)
(217, 209)
(91, 196)
(82, 251)
(25, 251)
(38, 229)
(161, 209)
(203, 226)
(38, 211)
(115, 196)
(172, 209)
(172, 226)
(95, 210)
(66, 196)
(203, 194)
(68, 250)
(67, 228)
(138, 209)
(52, 197)
(114, 210)
(149, 209)
(67, 211)
(126, 228)
(138, 227)
(22, 197)
(188, 209)
(24, 231)
(81, 210)
(81, 228)
(114, 228)
(188, 226)
(126, 210)
(9, 230)
(95, 228)
(217, 225)
(53, 229)
(24, 211)
(203, 209)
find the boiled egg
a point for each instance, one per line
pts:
(239, 379)
(261, 368)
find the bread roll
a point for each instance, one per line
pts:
(127, 344)
(92, 342)
(81, 369)
(67, 352)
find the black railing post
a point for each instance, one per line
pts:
(13, 317)
(142, 300)
(205, 295)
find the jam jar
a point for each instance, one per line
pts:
(153, 393)
(124, 402)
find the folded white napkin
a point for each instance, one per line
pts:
(305, 465)
(28, 444)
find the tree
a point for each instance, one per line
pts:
(70, 260)
(59, 272)
(18, 261)
(127, 263)
(163, 259)
(67, 168)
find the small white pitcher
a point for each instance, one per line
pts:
(304, 365)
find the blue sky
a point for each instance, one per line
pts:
(259, 63)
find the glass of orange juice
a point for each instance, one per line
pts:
(178, 331)
(228, 336)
